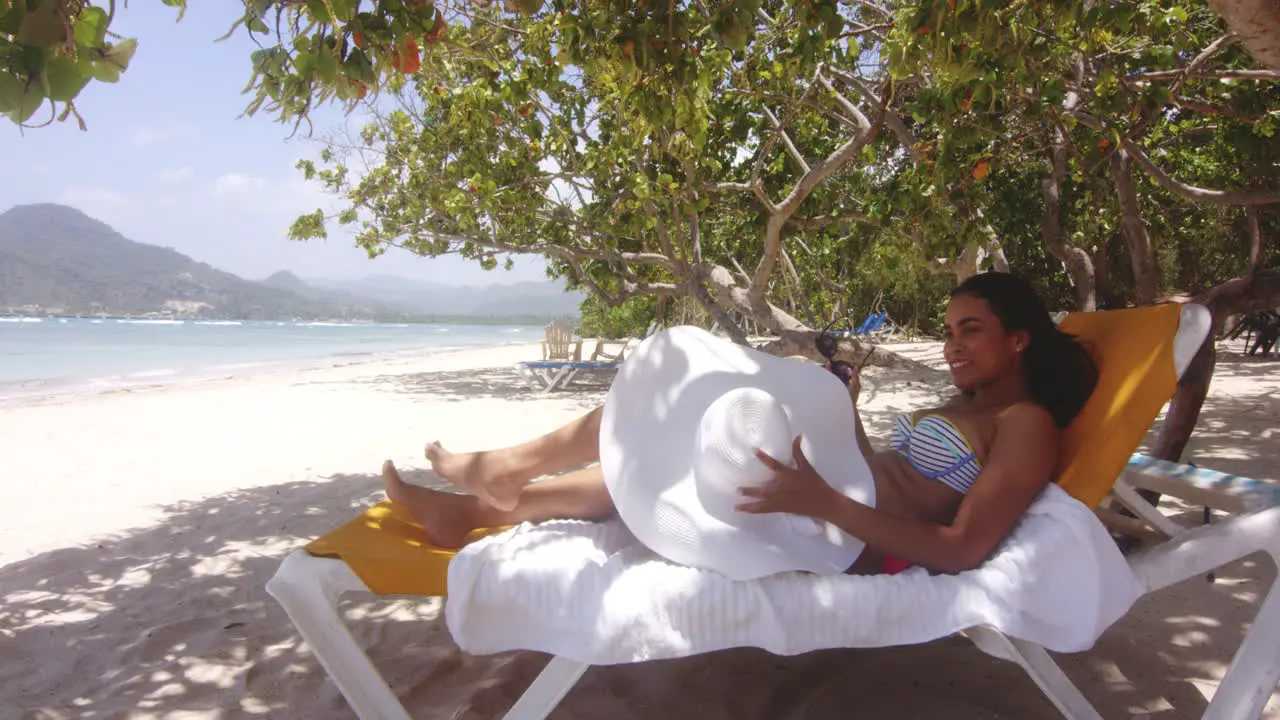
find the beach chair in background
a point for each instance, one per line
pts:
(1140, 354)
(548, 375)
(560, 345)
(601, 351)
(561, 361)
(870, 325)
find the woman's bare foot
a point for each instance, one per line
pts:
(447, 517)
(482, 474)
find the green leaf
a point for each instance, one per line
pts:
(11, 89)
(121, 53)
(91, 27)
(28, 104)
(103, 71)
(63, 79)
(11, 17)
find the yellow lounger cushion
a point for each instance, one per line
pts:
(1136, 377)
(389, 552)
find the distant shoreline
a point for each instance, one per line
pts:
(75, 390)
(60, 357)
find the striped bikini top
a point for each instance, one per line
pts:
(937, 449)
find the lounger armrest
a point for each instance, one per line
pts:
(1201, 486)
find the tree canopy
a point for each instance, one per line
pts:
(771, 162)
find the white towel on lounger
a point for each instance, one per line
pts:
(590, 592)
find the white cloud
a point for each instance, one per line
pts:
(174, 176)
(237, 185)
(147, 135)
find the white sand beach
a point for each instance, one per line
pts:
(138, 529)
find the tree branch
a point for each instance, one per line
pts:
(891, 119)
(810, 180)
(822, 222)
(786, 141)
(1255, 239)
(1198, 61)
(1196, 194)
(871, 6)
(1210, 74)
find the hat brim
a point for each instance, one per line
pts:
(647, 443)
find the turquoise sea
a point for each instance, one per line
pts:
(42, 356)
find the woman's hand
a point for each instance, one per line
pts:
(799, 490)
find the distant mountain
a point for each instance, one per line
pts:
(55, 259)
(286, 280)
(541, 299)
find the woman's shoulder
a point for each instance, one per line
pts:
(1027, 414)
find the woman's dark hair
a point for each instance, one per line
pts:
(1059, 369)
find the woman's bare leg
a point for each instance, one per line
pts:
(497, 476)
(448, 517)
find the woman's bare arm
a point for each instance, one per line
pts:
(854, 387)
(1022, 461)
(863, 443)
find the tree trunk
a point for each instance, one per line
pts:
(966, 265)
(1105, 286)
(999, 262)
(1184, 408)
(1079, 266)
(1252, 216)
(1257, 22)
(718, 314)
(1259, 290)
(856, 351)
(993, 248)
(1146, 277)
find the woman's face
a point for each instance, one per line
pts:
(977, 348)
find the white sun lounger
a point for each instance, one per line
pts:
(310, 588)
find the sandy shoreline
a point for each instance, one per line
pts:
(137, 530)
(59, 390)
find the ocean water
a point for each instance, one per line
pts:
(41, 356)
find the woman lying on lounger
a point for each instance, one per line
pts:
(952, 484)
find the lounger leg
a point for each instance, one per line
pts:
(530, 377)
(1043, 670)
(1145, 510)
(308, 588)
(562, 377)
(1056, 685)
(546, 692)
(1255, 669)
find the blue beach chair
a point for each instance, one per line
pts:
(873, 323)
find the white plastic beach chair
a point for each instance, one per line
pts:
(548, 375)
(310, 587)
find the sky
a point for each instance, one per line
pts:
(165, 161)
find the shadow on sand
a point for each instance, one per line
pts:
(588, 388)
(173, 619)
